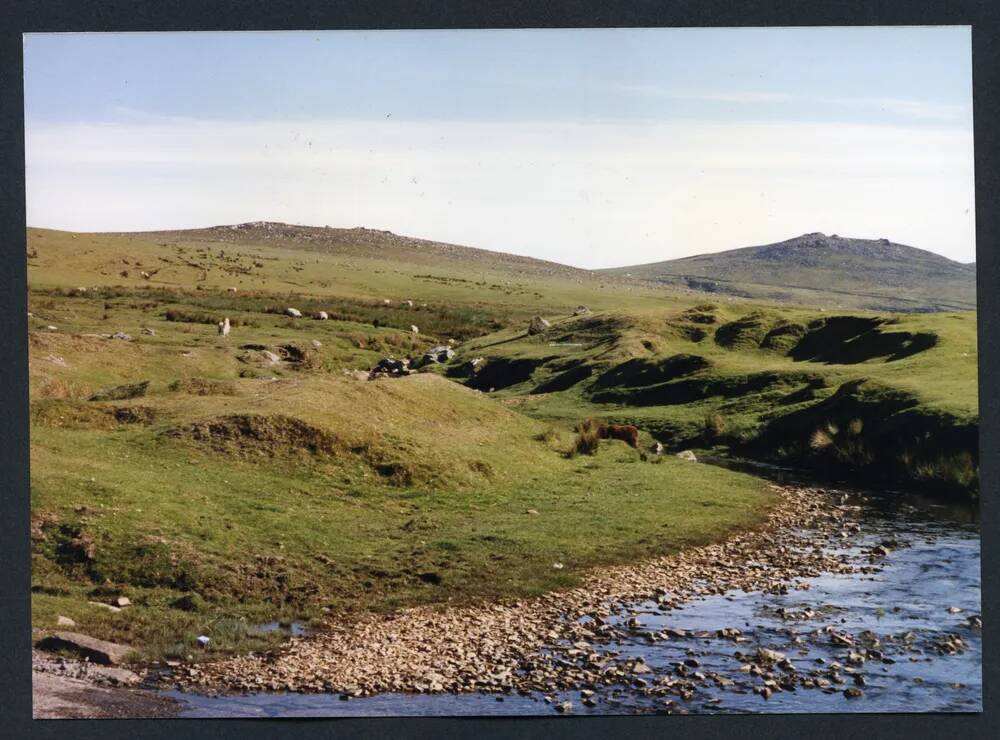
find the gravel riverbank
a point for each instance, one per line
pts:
(561, 640)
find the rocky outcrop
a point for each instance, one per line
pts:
(97, 651)
(537, 325)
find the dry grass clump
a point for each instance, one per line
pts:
(203, 387)
(588, 437)
(715, 426)
(58, 388)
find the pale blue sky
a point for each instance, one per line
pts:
(550, 143)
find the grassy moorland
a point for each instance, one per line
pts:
(219, 482)
(832, 271)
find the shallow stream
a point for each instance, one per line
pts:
(910, 606)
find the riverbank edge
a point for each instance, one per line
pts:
(489, 647)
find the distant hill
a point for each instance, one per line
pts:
(372, 243)
(828, 271)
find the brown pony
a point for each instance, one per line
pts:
(627, 433)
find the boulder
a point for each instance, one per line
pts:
(441, 353)
(537, 325)
(97, 651)
(102, 605)
(581, 311)
(390, 367)
(687, 455)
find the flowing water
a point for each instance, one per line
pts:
(925, 592)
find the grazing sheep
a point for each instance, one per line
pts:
(224, 327)
(232, 290)
(294, 313)
(409, 303)
(414, 329)
(322, 316)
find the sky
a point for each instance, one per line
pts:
(595, 148)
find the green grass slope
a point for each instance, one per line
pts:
(217, 487)
(888, 396)
(223, 481)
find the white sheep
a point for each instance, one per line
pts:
(294, 313)
(322, 316)
(224, 327)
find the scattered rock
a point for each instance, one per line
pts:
(148, 332)
(581, 311)
(769, 656)
(435, 355)
(203, 640)
(102, 605)
(537, 325)
(687, 455)
(62, 621)
(853, 692)
(389, 367)
(316, 343)
(122, 336)
(123, 601)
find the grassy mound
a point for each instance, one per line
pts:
(321, 494)
(643, 372)
(848, 340)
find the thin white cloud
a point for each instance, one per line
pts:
(917, 109)
(590, 194)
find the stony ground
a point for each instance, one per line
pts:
(63, 688)
(560, 640)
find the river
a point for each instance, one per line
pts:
(901, 614)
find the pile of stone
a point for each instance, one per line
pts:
(435, 355)
(389, 367)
